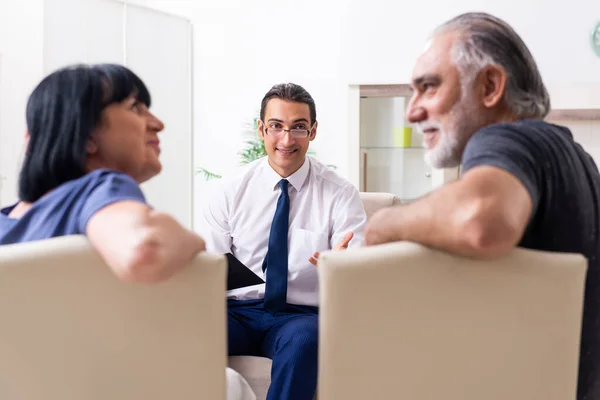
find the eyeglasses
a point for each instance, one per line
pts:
(296, 133)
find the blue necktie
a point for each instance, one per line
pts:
(276, 260)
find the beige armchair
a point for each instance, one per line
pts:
(401, 321)
(257, 370)
(373, 201)
(72, 331)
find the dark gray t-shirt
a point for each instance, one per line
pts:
(564, 184)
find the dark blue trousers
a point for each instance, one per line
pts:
(289, 338)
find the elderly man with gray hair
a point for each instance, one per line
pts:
(480, 102)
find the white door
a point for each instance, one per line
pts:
(159, 49)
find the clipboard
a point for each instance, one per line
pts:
(238, 275)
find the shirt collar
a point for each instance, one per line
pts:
(296, 180)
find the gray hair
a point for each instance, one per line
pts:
(486, 40)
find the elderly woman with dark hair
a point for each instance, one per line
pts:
(91, 140)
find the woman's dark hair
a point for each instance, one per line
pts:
(62, 112)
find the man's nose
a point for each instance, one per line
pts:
(286, 137)
(415, 113)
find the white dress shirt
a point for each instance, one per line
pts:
(323, 207)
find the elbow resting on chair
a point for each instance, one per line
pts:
(488, 234)
(141, 245)
(144, 264)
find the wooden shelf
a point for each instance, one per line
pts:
(396, 148)
(403, 90)
(399, 90)
(576, 114)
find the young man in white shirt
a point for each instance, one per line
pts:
(275, 217)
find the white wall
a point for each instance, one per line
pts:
(21, 27)
(244, 47)
(389, 33)
(39, 37)
(83, 35)
(241, 49)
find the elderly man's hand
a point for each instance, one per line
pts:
(378, 229)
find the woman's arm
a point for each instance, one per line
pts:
(140, 244)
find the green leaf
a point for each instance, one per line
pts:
(207, 174)
(254, 151)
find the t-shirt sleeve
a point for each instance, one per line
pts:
(508, 148)
(108, 188)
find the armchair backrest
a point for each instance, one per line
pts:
(402, 321)
(71, 330)
(373, 201)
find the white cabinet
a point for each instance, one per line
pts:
(391, 152)
(390, 156)
(395, 170)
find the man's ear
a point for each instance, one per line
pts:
(260, 130)
(313, 132)
(491, 85)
